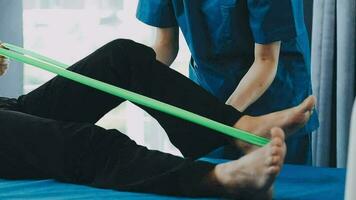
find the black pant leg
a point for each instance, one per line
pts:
(82, 153)
(134, 67)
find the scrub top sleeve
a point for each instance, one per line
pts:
(274, 20)
(158, 13)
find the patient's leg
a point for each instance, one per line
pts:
(133, 66)
(82, 153)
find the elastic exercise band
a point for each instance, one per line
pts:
(34, 55)
(48, 65)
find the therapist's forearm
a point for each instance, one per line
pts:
(259, 77)
(166, 44)
(253, 84)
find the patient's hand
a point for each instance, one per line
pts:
(4, 63)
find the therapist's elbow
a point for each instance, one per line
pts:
(267, 53)
(266, 62)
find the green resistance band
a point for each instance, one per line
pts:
(34, 55)
(48, 64)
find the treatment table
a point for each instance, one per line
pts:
(294, 182)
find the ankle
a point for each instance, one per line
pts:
(250, 124)
(213, 183)
(244, 122)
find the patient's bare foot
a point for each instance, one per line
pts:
(252, 176)
(290, 120)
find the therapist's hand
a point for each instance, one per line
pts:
(4, 63)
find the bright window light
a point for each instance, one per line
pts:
(69, 30)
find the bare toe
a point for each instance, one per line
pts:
(275, 150)
(308, 104)
(273, 160)
(277, 134)
(274, 170)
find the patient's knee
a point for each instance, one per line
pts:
(133, 53)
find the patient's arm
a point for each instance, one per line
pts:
(258, 78)
(4, 63)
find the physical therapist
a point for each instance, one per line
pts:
(251, 54)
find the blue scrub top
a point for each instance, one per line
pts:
(221, 35)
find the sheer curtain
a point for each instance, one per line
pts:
(333, 75)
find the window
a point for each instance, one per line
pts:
(68, 30)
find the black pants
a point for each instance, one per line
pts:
(50, 132)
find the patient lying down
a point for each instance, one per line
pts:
(51, 133)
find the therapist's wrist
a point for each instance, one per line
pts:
(236, 103)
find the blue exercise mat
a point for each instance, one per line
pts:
(294, 182)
